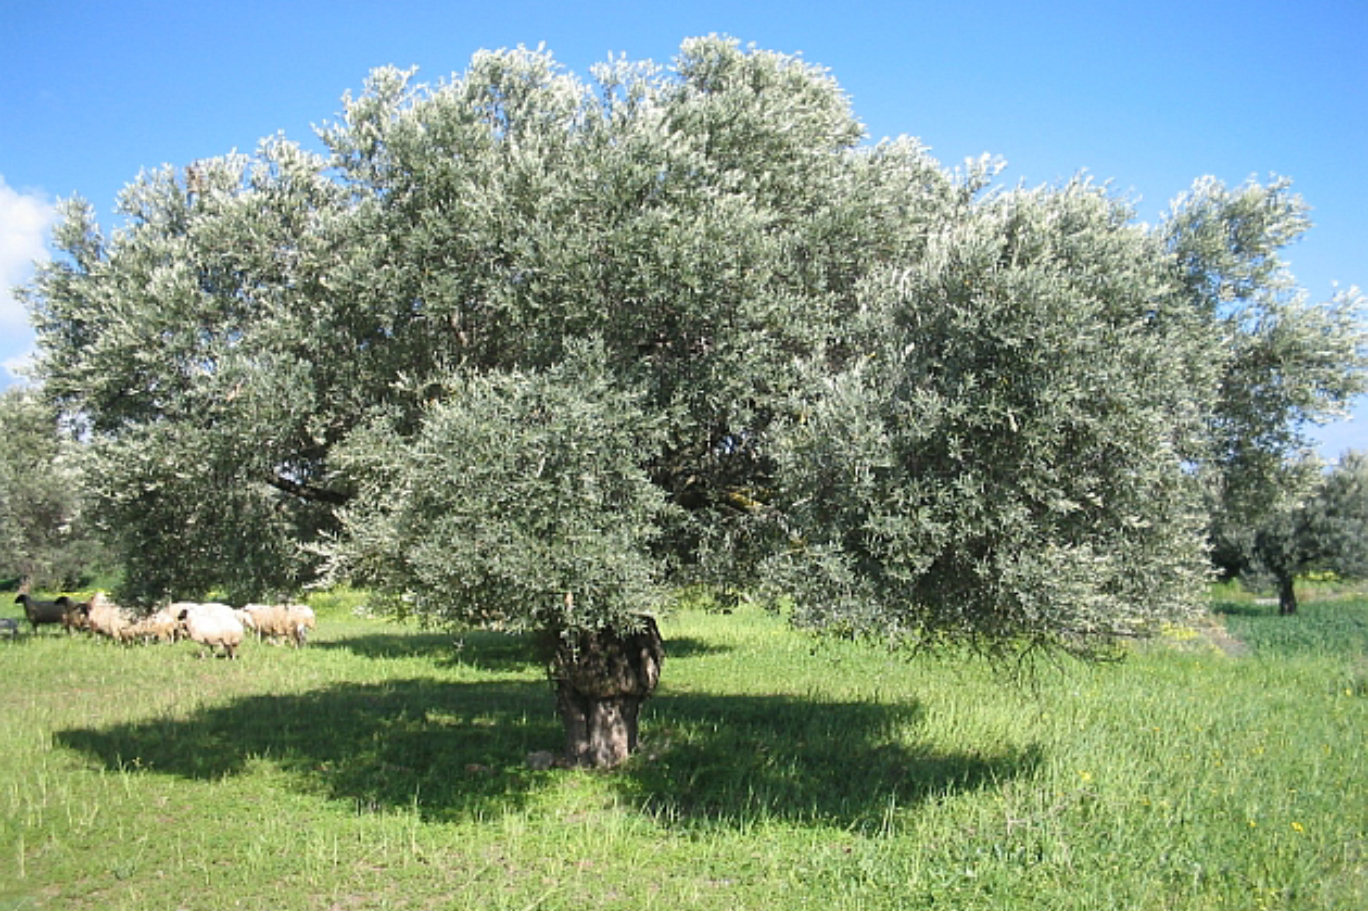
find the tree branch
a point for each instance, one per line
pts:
(308, 491)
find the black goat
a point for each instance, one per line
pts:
(40, 612)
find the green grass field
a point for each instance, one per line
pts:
(385, 767)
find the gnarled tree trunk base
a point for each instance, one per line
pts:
(602, 678)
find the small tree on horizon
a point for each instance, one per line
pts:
(1325, 532)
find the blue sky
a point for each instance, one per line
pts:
(1147, 95)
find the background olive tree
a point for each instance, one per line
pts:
(1326, 531)
(1285, 362)
(665, 326)
(45, 536)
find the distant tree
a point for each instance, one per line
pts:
(447, 358)
(1340, 517)
(45, 541)
(1328, 531)
(1284, 363)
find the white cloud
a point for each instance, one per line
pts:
(24, 221)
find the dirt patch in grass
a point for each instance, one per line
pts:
(1207, 634)
(1214, 633)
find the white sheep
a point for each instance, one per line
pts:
(245, 618)
(301, 619)
(212, 625)
(274, 621)
(162, 626)
(104, 617)
(266, 620)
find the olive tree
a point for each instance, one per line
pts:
(45, 538)
(707, 229)
(1001, 458)
(1284, 362)
(1327, 531)
(525, 349)
(256, 316)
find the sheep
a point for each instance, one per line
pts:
(138, 631)
(163, 626)
(176, 608)
(77, 616)
(259, 617)
(107, 618)
(9, 628)
(40, 612)
(212, 625)
(277, 620)
(302, 619)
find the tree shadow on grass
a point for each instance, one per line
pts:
(724, 758)
(453, 748)
(683, 647)
(480, 649)
(458, 751)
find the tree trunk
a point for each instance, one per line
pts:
(602, 678)
(1287, 595)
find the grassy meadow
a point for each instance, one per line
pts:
(384, 766)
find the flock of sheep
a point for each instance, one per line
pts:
(213, 625)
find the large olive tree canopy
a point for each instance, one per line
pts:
(513, 306)
(709, 225)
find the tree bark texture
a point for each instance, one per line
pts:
(602, 678)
